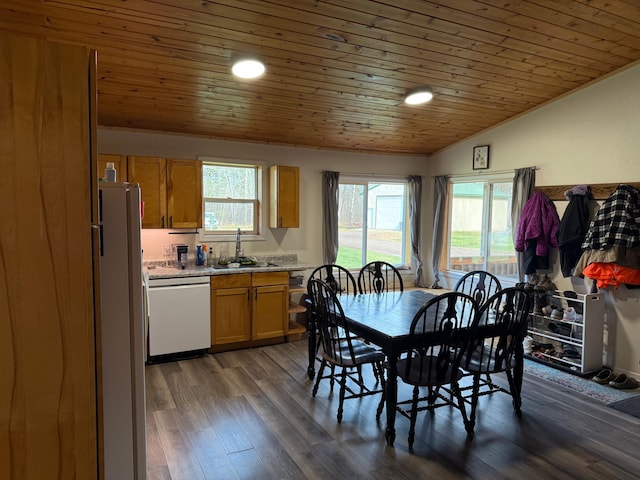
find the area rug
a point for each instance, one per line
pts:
(629, 405)
(603, 393)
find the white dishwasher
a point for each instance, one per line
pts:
(179, 315)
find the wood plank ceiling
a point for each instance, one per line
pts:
(337, 70)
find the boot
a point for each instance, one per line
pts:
(545, 284)
(540, 301)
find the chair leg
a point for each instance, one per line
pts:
(360, 379)
(320, 372)
(414, 415)
(332, 378)
(343, 388)
(475, 394)
(379, 370)
(455, 389)
(517, 399)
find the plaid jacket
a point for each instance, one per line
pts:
(617, 222)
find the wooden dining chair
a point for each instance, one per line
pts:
(439, 335)
(496, 335)
(342, 282)
(478, 284)
(378, 276)
(342, 351)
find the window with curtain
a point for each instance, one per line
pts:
(372, 222)
(231, 198)
(479, 227)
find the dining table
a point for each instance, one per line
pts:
(384, 320)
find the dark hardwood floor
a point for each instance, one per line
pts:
(249, 415)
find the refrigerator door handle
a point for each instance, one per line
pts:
(101, 240)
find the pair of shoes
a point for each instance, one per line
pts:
(604, 376)
(547, 310)
(569, 314)
(570, 352)
(557, 314)
(560, 329)
(623, 381)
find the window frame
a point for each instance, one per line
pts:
(366, 181)
(487, 180)
(259, 217)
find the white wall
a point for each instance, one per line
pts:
(591, 136)
(305, 241)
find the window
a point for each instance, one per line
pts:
(231, 198)
(480, 227)
(372, 222)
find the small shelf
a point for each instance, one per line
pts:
(582, 337)
(295, 327)
(297, 290)
(296, 308)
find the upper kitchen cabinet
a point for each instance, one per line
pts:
(184, 193)
(171, 191)
(119, 163)
(49, 390)
(151, 174)
(284, 196)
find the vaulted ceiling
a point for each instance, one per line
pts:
(337, 70)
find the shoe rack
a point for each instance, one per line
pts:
(568, 342)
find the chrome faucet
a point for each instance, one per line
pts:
(238, 247)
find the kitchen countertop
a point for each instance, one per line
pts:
(159, 270)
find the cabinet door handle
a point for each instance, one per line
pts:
(171, 221)
(162, 221)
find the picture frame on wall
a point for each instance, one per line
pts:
(481, 157)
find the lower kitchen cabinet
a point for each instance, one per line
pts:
(248, 308)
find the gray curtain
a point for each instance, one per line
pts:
(330, 182)
(440, 192)
(524, 182)
(415, 213)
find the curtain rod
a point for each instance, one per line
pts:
(375, 175)
(480, 174)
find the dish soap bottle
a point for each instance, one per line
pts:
(199, 255)
(110, 172)
(211, 260)
(204, 255)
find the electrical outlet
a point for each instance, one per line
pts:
(166, 250)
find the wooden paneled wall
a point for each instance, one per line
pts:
(47, 322)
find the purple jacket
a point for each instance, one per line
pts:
(538, 221)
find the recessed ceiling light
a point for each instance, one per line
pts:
(248, 68)
(419, 95)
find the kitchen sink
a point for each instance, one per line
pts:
(257, 265)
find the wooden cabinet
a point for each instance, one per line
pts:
(270, 305)
(284, 197)
(249, 307)
(171, 191)
(151, 174)
(230, 308)
(49, 385)
(184, 193)
(119, 162)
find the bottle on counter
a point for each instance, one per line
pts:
(211, 259)
(199, 255)
(204, 255)
(110, 172)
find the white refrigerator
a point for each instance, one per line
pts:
(122, 332)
